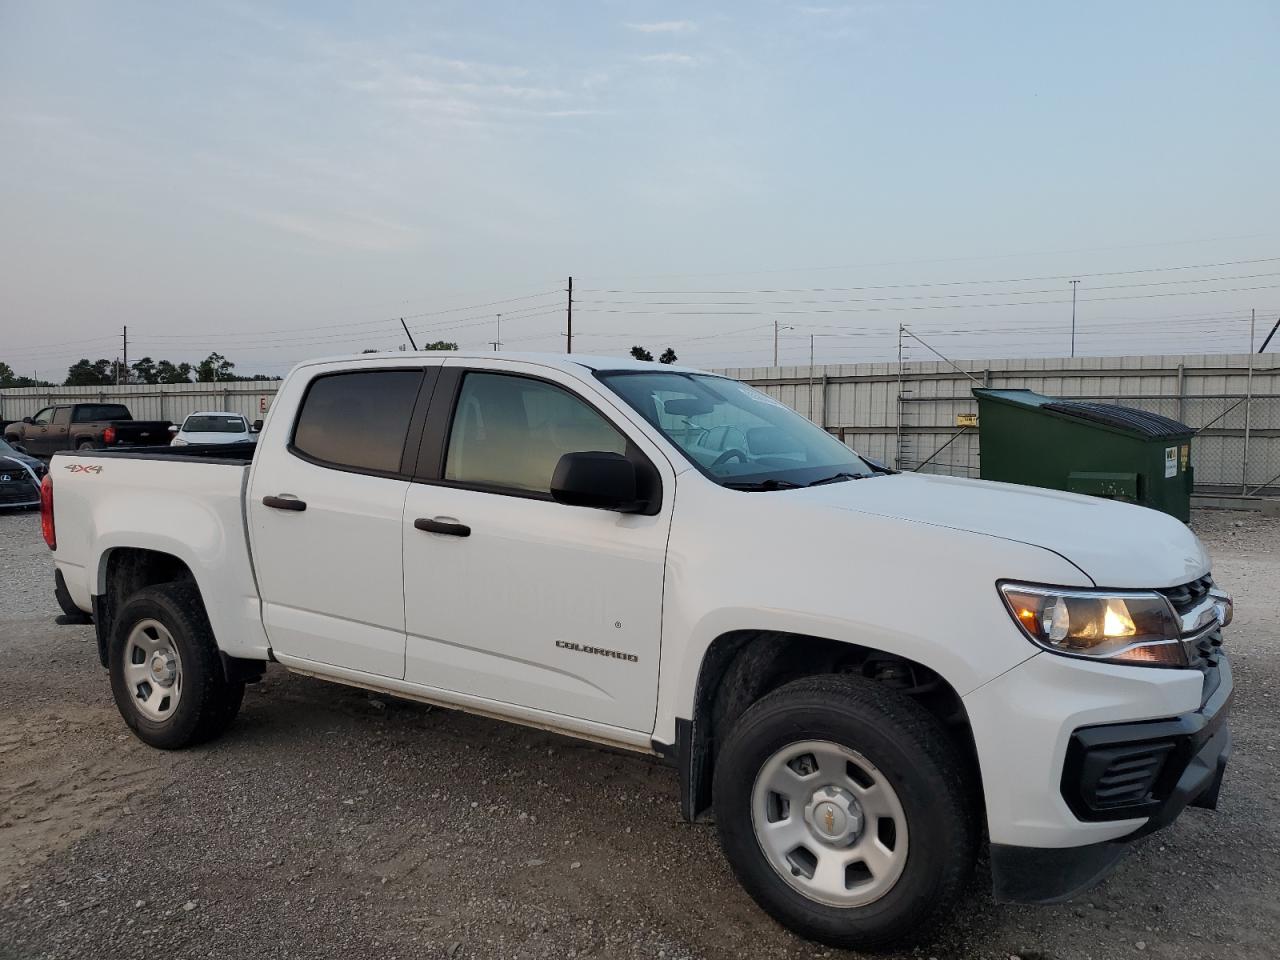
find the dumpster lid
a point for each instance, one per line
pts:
(1141, 422)
(1138, 422)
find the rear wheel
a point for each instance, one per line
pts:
(86, 445)
(166, 676)
(843, 809)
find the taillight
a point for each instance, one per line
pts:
(46, 512)
(109, 435)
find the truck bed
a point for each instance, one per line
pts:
(240, 454)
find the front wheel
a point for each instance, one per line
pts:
(843, 810)
(166, 676)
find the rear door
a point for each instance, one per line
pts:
(540, 605)
(325, 505)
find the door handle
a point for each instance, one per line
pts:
(450, 528)
(284, 503)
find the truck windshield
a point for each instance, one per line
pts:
(208, 424)
(735, 435)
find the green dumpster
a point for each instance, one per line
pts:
(1082, 446)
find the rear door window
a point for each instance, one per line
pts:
(357, 421)
(90, 412)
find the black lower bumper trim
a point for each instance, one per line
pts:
(1050, 874)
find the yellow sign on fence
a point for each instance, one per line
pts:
(966, 419)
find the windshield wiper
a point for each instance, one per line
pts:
(771, 484)
(835, 478)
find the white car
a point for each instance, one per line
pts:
(212, 426)
(866, 674)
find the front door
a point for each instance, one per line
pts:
(325, 507)
(515, 598)
(35, 437)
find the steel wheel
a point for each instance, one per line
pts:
(153, 669)
(829, 823)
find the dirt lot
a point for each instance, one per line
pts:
(332, 824)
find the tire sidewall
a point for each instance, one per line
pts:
(931, 828)
(179, 729)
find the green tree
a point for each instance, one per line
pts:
(169, 372)
(668, 356)
(213, 368)
(640, 353)
(441, 345)
(10, 379)
(144, 371)
(86, 373)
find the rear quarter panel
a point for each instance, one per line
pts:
(191, 510)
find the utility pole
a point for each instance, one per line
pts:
(568, 340)
(1074, 284)
(1263, 348)
(497, 343)
(408, 334)
(122, 369)
(810, 403)
(1248, 409)
(776, 328)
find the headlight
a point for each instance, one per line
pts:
(1137, 627)
(176, 442)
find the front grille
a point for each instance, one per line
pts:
(18, 491)
(1186, 596)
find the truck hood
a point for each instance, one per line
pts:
(1115, 544)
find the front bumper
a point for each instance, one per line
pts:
(1118, 772)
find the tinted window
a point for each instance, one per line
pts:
(511, 432)
(208, 424)
(358, 420)
(87, 412)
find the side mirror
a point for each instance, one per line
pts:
(173, 428)
(27, 420)
(606, 481)
(257, 427)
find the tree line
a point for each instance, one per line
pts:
(214, 368)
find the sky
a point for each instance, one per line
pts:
(283, 181)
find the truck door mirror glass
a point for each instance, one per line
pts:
(598, 479)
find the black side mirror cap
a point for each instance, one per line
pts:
(27, 420)
(595, 478)
(257, 427)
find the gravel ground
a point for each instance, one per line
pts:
(331, 824)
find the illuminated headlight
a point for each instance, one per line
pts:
(1122, 627)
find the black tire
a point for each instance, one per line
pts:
(86, 445)
(918, 758)
(208, 703)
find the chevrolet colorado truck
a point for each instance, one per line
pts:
(84, 426)
(864, 674)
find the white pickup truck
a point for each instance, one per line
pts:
(860, 671)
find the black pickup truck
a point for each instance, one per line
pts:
(84, 426)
